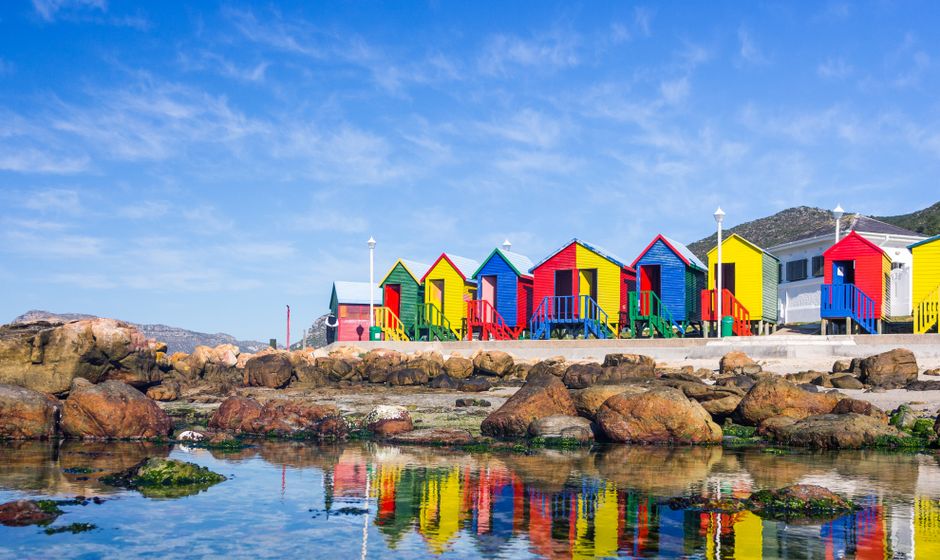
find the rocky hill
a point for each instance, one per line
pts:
(796, 223)
(177, 339)
(316, 336)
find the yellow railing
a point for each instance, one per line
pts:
(927, 313)
(390, 324)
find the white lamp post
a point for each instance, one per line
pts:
(371, 282)
(719, 217)
(837, 213)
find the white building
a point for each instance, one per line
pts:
(801, 267)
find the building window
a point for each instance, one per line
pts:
(780, 274)
(818, 266)
(896, 265)
(796, 270)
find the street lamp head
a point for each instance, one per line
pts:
(507, 246)
(371, 242)
(838, 212)
(719, 215)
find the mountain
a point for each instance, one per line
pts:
(177, 339)
(316, 335)
(925, 222)
(805, 221)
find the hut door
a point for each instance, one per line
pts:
(488, 294)
(651, 279)
(437, 298)
(393, 298)
(588, 283)
(564, 288)
(563, 283)
(843, 272)
(727, 276)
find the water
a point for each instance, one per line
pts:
(378, 501)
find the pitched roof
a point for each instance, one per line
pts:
(355, 292)
(414, 268)
(683, 252)
(463, 265)
(855, 234)
(924, 241)
(748, 243)
(517, 261)
(595, 248)
(863, 224)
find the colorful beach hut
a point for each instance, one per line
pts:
(670, 279)
(448, 286)
(402, 295)
(926, 293)
(504, 296)
(580, 289)
(856, 277)
(349, 311)
(749, 280)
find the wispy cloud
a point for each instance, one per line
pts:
(87, 11)
(548, 52)
(62, 201)
(748, 50)
(834, 68)
(527, 127)
(144, 210)
(32, 160)
(643, 18)
(50, 9)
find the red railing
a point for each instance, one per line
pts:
(730, 306)
(482, 315)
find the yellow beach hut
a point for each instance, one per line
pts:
(750, 276)
(448, 286)
(926, 293)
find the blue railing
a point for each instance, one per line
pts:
(838, 301)
(569, 310)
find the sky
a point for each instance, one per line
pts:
(203, 165)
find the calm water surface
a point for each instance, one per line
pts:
(378, 501)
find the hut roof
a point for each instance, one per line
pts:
(517, 261)
(355, 292)
(683, 252)
(463, 265)
(596, 248)
(924, 242)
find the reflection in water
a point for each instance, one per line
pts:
(413, 502)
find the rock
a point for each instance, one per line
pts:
(541, 396)
(445, 381)
(743, 382)
(268, 370)
(376, 364)
(934, 371)
(642, 363)
(552, 366)
(686, 376)
(856, 406)
(842, 366)
(588, 401)
(408, 376)
(235, 413)
(822, 380)
(223, 440)
(388, 420)
(903, 417)
(890, 370)
(661, 415)
(562, 426)
(158, 477)
(737, 363)
(579, 376)
(458, 367)
(771, 427)
(166, 391)
(21, 513)
(430, 364)
(492, 362)
(719, 401)
(464, 403)
(520, 370)
(835, 431)
(809, 387)
(723, 407)
(799, 501)
(27, 414)
(338, 368)
(475, 384)
(46, 357)
(112, 410)
(846, 381)
(802, 377)
(927, 385)
(778, 397)
(434, 436)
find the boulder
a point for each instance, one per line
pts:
(520, 370)
(465, 403)
(802, 377)
(774, 425)
(775, 396)
(932, 372)
(552, 366)
(376, 364)
(166, 391)
(723, 407)
(408, 376)
(305, 371)
(835, 431)
(846, 381)
(268, 370)
(458, 367)
(588, 401)
(903, 417)
(112, 410)
(541, 396)
(744, 382)
(46, 357)
(281, 417)
(856, 406)
(737, 363)
(493, 362)
(661, 415)
(925, 385)
(431, 364)
(338, 368)
(687, 376)
(842, 366)
(562, 426)
(822, 380)
(165, 478)
(387, 420)
(475, 384)
(21, 513)
(434, 436)
(27, 414)
(445, 381)
(579, 376)
(235, 413)
(799, 501)
(642, 363)
(889, 370)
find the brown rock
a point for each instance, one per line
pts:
(661, 415)
(822, 380)
(268, 370)
(856, 406)
(235, 413)
(773, 426)
(579, 376)
(408, 376)
(493, 362)
(743, 382)
(588, 401)
(778, 397)
(431, 364)
(552, 366)
(475, 384)
(934, 371)
(444, 381)
(281, 417)
(520, 370)
(458, 367)
(846, 381)
(643, 363)
(737, 363)
(842, 366)
(434, 436)
(24, 512)
(113, 410)
(541, 396)
(562, 426)
(338, 369)
(465, 403)
(835, 431)
(889, 370)
(802, 377)
(166, 391)
(723, 407)
(385, 421)
(27, 414)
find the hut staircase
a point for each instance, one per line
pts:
(391, 325)
(840, 301)
(483, 317)
(573, 313)
(645, 308)
(927, 313)
(430, 320)
(730, 307)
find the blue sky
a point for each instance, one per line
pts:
(202, 165)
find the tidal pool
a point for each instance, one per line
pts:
(363, 500)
